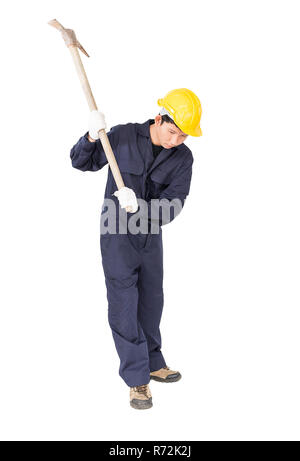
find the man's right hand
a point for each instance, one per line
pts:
(96, 123)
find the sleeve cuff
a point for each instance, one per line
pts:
(88, 143)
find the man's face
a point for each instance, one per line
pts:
(169, 135)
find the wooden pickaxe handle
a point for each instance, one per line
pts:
(73, 45)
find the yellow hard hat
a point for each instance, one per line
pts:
(185, 109)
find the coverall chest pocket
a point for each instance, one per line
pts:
(131, 168)
(157, 182)
(129, 159)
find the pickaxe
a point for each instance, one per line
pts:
(73, 45)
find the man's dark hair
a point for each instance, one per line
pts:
(166, 118)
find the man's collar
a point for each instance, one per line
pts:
(144, 128)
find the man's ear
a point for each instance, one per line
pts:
(158, 118)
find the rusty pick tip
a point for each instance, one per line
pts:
(68, 36)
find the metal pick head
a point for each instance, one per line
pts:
(68, 36)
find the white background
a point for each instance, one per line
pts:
(231, 259)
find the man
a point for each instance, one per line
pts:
(156, 167)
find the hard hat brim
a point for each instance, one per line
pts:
(195, 132)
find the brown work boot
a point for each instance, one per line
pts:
(165, 375)
(140, 397)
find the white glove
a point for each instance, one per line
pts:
(127, 198)
(96, 123)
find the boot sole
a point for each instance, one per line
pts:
(162, 380)
(141, 406)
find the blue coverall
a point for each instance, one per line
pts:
(133, 263)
